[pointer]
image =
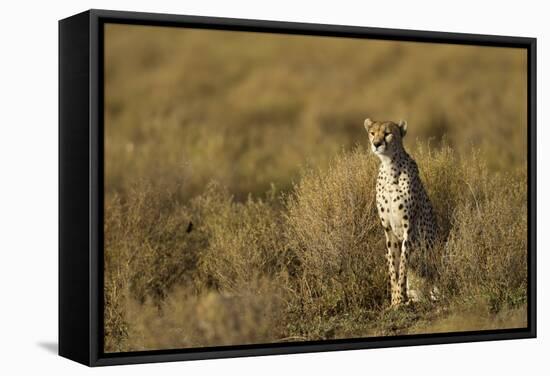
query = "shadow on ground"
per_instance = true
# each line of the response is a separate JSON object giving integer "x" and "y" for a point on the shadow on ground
{"x": 50, "y": 347}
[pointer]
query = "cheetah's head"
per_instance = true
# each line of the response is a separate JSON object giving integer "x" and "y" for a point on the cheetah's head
{"x": 385, "y": 137}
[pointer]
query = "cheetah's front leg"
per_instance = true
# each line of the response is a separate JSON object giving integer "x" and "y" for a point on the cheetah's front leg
{"x": 392, "y": 257}
{"x": 403, "y": 269}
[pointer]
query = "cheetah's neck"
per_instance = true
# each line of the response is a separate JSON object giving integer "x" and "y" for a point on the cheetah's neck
{"x": 389, "y": 161}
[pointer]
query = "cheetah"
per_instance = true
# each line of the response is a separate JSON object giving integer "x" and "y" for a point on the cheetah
{"x": 404, "y": 208}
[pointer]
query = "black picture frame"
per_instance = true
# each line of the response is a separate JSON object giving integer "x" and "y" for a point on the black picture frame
{"x": 81, "y": 186}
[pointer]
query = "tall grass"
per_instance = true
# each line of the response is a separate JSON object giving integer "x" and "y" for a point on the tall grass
{"x": 308, "y": 264}
{"x": 239, "y": 194}
{"x": 333, "y": 230}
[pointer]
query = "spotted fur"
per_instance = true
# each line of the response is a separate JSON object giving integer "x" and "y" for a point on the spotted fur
{"x": 403, "y": 206}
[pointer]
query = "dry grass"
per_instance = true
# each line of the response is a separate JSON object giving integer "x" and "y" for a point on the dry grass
{"x": 239, "y": 205}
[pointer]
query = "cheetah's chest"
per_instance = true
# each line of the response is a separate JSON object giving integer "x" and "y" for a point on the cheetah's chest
{"x": 393, "y": 199}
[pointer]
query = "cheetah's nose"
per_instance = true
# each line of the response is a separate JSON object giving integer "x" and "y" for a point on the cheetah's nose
{"x": 377, "y": 143}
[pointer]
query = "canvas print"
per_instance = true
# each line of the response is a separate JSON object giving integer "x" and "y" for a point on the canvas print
{"x": 265, "y": 188}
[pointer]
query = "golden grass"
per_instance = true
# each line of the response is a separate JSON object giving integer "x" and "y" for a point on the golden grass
{"x": 239, "y": 191}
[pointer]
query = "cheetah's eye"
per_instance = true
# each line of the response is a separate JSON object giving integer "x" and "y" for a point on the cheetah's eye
{"x": 372, "y": 134}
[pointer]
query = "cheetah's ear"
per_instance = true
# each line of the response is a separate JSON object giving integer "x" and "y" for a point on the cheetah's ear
{"x": 402, "y": 127}
{"x": 368, "y": 123}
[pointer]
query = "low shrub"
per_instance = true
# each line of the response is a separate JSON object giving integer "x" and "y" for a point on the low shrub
{"x": 308, "y": 264}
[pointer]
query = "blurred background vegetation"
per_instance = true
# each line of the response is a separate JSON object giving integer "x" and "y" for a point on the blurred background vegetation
{"x": 239, "y": 187}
